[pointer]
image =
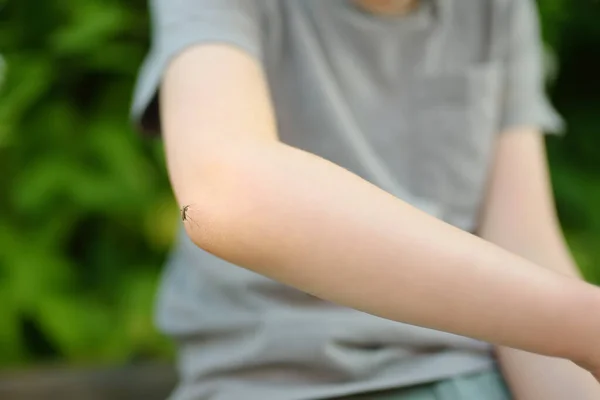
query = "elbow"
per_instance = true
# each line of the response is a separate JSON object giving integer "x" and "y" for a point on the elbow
{"x": 218, "y": 196}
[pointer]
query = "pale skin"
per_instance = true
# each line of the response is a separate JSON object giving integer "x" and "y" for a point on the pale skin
{"x": 387, "y": 7}
{"x": 519, "y": 215}
{"x": 306, "y": 222}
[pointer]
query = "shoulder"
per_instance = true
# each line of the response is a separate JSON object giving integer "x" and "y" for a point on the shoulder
{"x": 498, "y": 10}
{"x": 493, "y": 24}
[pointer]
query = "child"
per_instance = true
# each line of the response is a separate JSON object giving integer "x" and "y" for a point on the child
{"x": 377, "y": 155}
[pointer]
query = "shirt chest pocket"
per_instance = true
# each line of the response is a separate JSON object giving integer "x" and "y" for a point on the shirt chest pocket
{"x": 454, "y": 121}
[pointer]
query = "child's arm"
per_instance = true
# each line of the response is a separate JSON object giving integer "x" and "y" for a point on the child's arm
{"x": 520, "y": 216}
{"x": 306, "y": 222}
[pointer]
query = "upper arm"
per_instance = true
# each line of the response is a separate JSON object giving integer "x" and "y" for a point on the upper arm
{"x": 519, "y": 208}
{"x": 202, "y": 84}
{"x": 519, "y": 187}
{"x": 212, "y": 92}
{"x": 213, "y": 100}
{"x": 178, "y": 25}
{"x": 519, "y": 199}
{"x": 213, "y": 97}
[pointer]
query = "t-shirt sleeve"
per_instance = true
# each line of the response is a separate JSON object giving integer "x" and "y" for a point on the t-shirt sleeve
{"x": 179, "y": 24}
{"x": 524, "y": 100}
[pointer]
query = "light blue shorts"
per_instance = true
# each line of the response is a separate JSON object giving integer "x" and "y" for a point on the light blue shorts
{"x": 487, "y": 385}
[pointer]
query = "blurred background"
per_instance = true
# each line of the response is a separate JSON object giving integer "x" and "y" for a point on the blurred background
{"x": 86, "y": 212}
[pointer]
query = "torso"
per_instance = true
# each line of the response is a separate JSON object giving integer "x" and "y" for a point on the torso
{"x": 410, "y": 105}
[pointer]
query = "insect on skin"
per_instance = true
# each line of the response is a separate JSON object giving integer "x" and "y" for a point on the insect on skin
{"x": 185, "y": 216}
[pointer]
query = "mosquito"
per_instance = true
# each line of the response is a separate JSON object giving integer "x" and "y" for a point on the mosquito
{"x": 185, "y": 215}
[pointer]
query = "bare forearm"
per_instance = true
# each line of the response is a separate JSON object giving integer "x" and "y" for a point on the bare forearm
{"x": 531, "y": 376}
{"x": 303, "y": 221}
{"x": 519, "y": 216}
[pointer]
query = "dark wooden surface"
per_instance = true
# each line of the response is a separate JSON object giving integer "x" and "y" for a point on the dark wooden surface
{"x": 146, "y": 382}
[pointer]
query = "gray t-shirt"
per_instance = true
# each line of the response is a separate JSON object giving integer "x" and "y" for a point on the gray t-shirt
{"x": 412, "y": 104}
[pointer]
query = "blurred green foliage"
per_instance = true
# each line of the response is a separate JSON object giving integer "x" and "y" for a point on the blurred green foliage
{"x": 572, "y": 31}
{"x": 86, "y": 213}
